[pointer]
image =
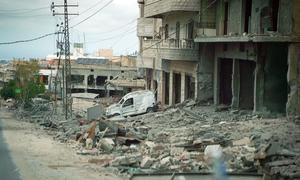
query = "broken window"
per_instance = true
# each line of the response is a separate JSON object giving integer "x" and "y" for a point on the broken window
{"x": 100, "y": 80}
{"x": 91, "y": 80}
{"x": 248, "y": 9}
{"x": 226, "y": 11}
{"x": 269, "y": 17}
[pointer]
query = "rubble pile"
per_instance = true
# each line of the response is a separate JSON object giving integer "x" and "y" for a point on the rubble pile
{"x": 182, "y": 139}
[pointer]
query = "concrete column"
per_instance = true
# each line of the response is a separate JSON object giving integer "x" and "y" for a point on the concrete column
{"x": 107, "y": 90}
{"x": 183, "y": 89}
{"x": 293, "y": 78}
{"x": 259, "y": 84}
{"x": 235, "y": 84}
{"x": 85, "y": 83}
{"x": 196, "y": 85}
{"x": 161, "y": 88}
{"x": 171, "y": 94}
{"x": 216, "y": 81}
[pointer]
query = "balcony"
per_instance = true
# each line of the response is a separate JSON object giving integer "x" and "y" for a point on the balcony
{"x": 155, "y": 8}
{"x": 145, "y": 27}
{"x": 172, "y": 49}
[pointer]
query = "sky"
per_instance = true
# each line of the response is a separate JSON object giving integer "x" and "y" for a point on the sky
{"x": 112, "y": 27}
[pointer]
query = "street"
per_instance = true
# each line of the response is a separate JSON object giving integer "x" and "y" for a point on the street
{"x": 27, "y": 153}
{"x": 8, "y": 169}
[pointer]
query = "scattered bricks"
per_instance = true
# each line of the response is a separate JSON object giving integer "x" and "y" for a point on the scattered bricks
{"x": 242, "y": 142}
{"x": 147, "y": 162}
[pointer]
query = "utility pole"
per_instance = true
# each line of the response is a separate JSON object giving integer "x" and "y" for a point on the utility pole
{"x": 66, "y": 73}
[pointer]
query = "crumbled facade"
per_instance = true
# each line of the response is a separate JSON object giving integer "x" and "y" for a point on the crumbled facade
{"x": 240, "y": 53}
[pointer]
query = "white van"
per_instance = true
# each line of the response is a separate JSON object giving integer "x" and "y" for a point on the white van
{"x": 133, "y": 103}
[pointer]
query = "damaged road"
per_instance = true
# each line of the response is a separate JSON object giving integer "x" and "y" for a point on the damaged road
{"x": 37, "y": 156}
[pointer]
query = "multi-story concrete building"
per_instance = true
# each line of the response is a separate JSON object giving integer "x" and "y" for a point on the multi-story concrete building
{"x": 255, "y": 52}
{"x": 169, "y": 55}
{"x": 241, "y": 53}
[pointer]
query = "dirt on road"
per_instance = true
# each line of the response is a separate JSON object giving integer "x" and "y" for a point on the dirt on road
{"x": 37, "y": 156}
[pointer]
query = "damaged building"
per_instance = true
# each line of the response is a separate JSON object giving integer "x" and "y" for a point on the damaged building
{"x": 240, "y": 53}
{"x": 169, "y": 55}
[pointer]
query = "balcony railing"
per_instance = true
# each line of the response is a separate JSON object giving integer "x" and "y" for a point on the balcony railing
{"x": 171, "y": 43}
{"x": 171, "y": 49}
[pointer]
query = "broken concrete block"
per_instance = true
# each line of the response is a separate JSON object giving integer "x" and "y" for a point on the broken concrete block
{"x": 131, "y": 160}
{"x": 147, "y": 162}
{"x": 107, "y": 144}
{"x": 242, "y": 142}
{"x": 165, "y": 162}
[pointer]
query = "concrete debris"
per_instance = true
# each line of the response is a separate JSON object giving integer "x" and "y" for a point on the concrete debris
{"x": 147, "y": 162}
{"x": 106, "y": 144}
{"x": 185, "y": 138}
{"x": 242, "y": 142}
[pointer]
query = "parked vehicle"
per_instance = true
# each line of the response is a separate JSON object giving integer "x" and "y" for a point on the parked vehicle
{"x": 134, "y": 103}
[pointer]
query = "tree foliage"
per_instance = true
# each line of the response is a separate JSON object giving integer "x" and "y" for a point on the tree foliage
{"x": 26, "y": 84}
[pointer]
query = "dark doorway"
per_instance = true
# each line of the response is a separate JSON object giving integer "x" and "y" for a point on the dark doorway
{"x": 189, "y": 87}
{"x": 177, "y": 87}
{"x": 167, "y": 82}
{"x": 225, "y": 81}
{"x": 248, "y": 9}
{"x": 246, "y": 84}
{"x": 275, "y": 79}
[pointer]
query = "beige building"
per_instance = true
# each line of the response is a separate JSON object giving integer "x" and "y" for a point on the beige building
{"x": 169, "y": 55}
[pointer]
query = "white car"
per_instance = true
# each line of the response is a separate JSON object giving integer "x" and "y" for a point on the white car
{"x": 134, "y": 103}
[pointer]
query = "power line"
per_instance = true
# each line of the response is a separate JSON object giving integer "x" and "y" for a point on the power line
{"x": 27, "y": 40}
{"x": 116, "y": 36}
{"x": 117, "y": 28}
{"x": 93, "y": 6}
{"x": 27, "y": 10}
{"x": 93, "y": 13}
{"x": 25, "y": 16}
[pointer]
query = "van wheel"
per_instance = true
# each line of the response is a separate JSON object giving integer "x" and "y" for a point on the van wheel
{"x": 150, "y": 109}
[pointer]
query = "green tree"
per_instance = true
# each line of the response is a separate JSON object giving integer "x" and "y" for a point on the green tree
{"x": 26, "y": 84}
{"x": 8, "y": 91}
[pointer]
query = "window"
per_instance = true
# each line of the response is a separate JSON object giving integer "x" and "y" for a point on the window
{"x": 128, "y": 102}
{"x": 166, "y": 31}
